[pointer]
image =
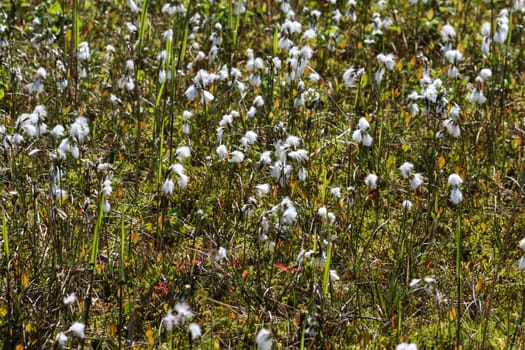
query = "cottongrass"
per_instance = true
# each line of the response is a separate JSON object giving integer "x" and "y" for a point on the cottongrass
{"x": 264, "y": 339}
{"x": 78, "y": 329}
{"x": 286, "y": 101}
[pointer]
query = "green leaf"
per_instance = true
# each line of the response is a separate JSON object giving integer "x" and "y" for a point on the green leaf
{"x": 275, "y": 45}
{"x": 140, "y": 75}
{"x": 55, "y": 9}
{"x": 364, "y": 81}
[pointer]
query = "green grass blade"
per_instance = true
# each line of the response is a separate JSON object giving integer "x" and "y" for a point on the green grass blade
{"x": 5, "y": 237}
{"x": 142, "y": 26}
{"x": 96, "y": 233}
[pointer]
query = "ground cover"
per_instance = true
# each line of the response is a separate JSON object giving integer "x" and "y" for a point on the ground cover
{"x": 262, "y": 174}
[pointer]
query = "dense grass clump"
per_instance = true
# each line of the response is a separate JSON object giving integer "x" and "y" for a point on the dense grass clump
{"x": 262, "y": 174}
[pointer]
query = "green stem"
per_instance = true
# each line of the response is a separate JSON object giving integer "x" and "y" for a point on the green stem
{"x": 93, "y": 259}
{"x": 5, "y": 237}
{"x": 10, "y": 313}
{"x": 174, "y": 75}
{"x": 142, "y": 26}
{"x": 458, "y": 277}
{"x": 326, "y": 275}
{"x": 96, "y": 233}
{"x": 76, "y": 40}
{"x": 122, "y": 281}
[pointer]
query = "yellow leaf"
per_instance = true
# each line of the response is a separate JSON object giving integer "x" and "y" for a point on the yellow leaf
{"x": 441, "y": 162}
{"x": 430, "y": 14}
{"x": 82, "y": 252}
{"x": 293, "y": 187}
{"x": 389, "y": 161}
{"x": 479, "y": 286}
{"x": 25, "y": 279}
{"x": 148, "y": 226}
{"x": 405, "y": 147}
{"x": 134, "y": 237}
{"x": 459, "y": 171}
{"x": 112, "y": 329}
{"x": 160, "y": 222}
{"x": 149, "y": 337}
{"x": 216, "y": 344}
{"x": 399, "y": 65}
{"x": 516, "y": 142}
{"x": 66, "y": 110}
{"x": 452, "y": 314}
{"x": 28, "y": 327}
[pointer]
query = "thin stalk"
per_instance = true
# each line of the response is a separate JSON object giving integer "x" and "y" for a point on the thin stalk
{"x": 380, "y": 90}
{"x": 458, "y": 278}
{"x": 499, "y": 266}
{"x": 96, "y": 232}
{"x": 519, "y": 321}
{"x": 326, "y": 274}
{"x": 10, "y": 344}
{"x": 161, "y": 151}
{"x": 233, "y": 26}
{"x": 416, "y": 29}
{"x": 93, "y": 258}
{"x": 5, "y": 237}
{"x": 303, "y": 331}
{"x": 122, "y": 278}
{"x": 136, "y": 104}
{"x": 170, "y": 341}
{"x": 74, "y": 47}
{"x": 493, "y": 121}
{"x": 503, "y": 75}
{"x": 399, "y": 319}
{"x": 174, "y": 75}
{"x": 142, "y": 27}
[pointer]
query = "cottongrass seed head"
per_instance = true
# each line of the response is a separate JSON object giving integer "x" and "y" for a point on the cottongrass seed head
{"x": 264, "y": 339}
